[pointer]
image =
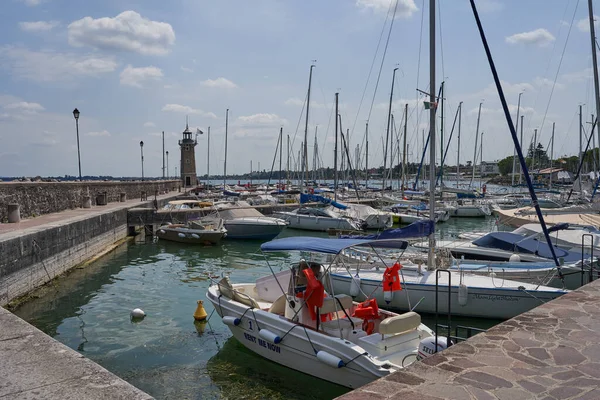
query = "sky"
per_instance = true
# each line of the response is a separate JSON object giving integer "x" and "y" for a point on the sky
{"x": 136, "y": 68}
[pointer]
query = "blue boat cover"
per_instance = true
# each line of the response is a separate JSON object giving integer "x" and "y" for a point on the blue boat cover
{"x": 327, "y": 246}
{"x": 416, "y": 229}
{"x": 307, "y": 197}
{"x": 514, "y": 242}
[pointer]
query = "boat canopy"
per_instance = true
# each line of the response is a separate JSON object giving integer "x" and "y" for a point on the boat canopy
{"x": 416, "y": 229}
{"x": 307, "y": 197}
{"x": 327, "y": 246}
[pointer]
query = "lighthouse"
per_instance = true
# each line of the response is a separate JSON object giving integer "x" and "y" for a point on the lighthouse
{"x": 188, "y": 159}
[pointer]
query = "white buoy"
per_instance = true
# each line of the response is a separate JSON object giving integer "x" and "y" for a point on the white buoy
{"x": 181, "y": 235}
{"x": 388, "y": 296}
{"x": 137, "y": 313}
{"x": 195, "y": 236}
{"x": 231, "y": 321}
{"x": 330, "y": 359}
{"x": 515, "y": 258}
{"x": 463, "y": 294}
{"x": 269, "y": 336}
{"x": 355, "y": 285}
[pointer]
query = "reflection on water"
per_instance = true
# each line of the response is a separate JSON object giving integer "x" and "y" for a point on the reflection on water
{"x": 166, "y": 354}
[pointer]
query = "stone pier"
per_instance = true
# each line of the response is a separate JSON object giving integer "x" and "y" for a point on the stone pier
{"x": 551, "y": 352}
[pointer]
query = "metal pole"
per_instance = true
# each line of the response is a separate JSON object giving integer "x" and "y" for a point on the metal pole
{"x": 387, "y": 135}
{"x": 476, "y": 138}
{"x": 305, "y": 150}
{"x": 167, "y": 164}
{"x": 142, "y": 156}
{"x": 163, "y": 154}
{"x": 367, "y": 156}
{"x": 534, "y": 150}
{"x": 551, "y": 154}
{"x": 225, "y": 162}
{"x": 78, "y": 153}
{"x": 521, "y": 147}
{"x": 404, "y": 150}
{"x": 391, "y": 172}
{"x": 458, "y": 151}
{"x": 432, "y": 86}
{"x": 287, "y": 175}
{"x": 594, "y": 61}
{"x": 481, "y": 163}
{"x": 335, "y": 150}
{"x": 280, "y": 154}
{"x": 515, "y": 149}
{"x": 208, "y": 160}
{"x": 442, "y": 140}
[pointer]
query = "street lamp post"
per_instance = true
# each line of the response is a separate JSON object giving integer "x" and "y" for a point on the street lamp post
{"x": 142, "y": 154}
{"x": 76, "y": 115}
{"x": 167, "y": 152}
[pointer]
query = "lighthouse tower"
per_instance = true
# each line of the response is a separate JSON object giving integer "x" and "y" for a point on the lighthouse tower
{"x": 188, "y": 159}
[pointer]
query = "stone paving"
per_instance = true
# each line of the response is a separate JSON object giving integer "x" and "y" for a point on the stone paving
{"x": 550, "y": 352}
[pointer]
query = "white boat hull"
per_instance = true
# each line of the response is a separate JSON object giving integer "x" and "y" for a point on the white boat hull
{"x": 502, "y": 302}
{"x": 470, "y": 212}
{"x": 314, "y": 223}
{"x": 263, "y": 228}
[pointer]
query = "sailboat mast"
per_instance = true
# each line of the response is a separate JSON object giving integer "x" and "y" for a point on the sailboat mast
{"x": 314, "y": 174}
{"x": 551, "y": 153}
{"x": 594, "y": 61}
{"x": 458, "y": 151}
{"x": 481, "y": 162}
{"x": 280, "y": 153}
{"x": 305, "y": 151}
{"x": 387, "y": 134}
{"x": 335, "y": 151}
{"x": 404, "y": 150}
{"x": 442, "y": 140}
{"x": 521, "y": 147}
{"x": 225, "y": 162}
{"x": 391, "y": 171}
{"x": 475, "y": 148}
{"x": 287, "y": 175}
{"x": 515, "y": 149}
{"x": 580, "y": 148}
{"x": 367, "y": 155}
{"x": 432, "y": 86}
{"x": 208, "y": 160}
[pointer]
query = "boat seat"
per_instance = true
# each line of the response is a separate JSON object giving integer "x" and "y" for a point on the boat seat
{"x": 227, "y": 290}
{"x": 278, "y": 306}
{"x": 331, "y": 305}
{"x": 402, "y": 323}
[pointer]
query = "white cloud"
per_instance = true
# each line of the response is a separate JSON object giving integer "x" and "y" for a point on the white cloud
{"x": 547, "y": 83}
{"x": 489, "y": 6}
{"x": 131, "y": 76}
{"x": 179, "y": 108}
{"x": 262, "y": 119}
{"x": 258, "y": 126}
{"x": 50, "y": 66}
{"x": 38, "y": 26}
{"x": 540, "y": 37}
{"x": 128, "y": 31}
{"x": 406, "y": 8}
{"x": 584, "y": 24}
{"x": 149, "y": 124}
{"x": 220, "y": 83}
{"x": 25, "y": 107}
{"x": 578, "y": 76}
{"x": 98, "y": 133}
{"x": 186, "y": 69}
{"x": 32, "y": 3}
{"x": 295, "y": 101}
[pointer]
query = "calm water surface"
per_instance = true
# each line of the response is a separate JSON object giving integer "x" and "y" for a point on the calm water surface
{"x": 168, "y": 355}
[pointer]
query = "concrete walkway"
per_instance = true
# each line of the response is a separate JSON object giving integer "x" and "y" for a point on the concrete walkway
{"x": 9, "y": 231}
{"x": 551, "y": 352}
{"x": 35, "y": 366}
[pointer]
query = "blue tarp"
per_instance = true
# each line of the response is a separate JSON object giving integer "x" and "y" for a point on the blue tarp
{"x": 514, "y": 242}
{"x": 228, "y": 193}
{"x": 414, "y": 230}
{"x": 327, "y": 246}
{"x": 307, "y": 197}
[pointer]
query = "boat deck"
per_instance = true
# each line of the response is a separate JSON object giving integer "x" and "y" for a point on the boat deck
{"x": 550, "y": 352}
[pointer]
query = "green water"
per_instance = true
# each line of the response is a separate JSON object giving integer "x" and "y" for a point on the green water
{"x": 167, "y": 355}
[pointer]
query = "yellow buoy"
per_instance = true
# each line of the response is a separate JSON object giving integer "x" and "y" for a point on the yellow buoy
{"x": 200, "y": 314}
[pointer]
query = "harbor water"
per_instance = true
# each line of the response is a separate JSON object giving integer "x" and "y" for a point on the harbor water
{"x": 167, "y": 354}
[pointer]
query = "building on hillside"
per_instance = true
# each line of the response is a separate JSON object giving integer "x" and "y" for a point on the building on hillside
{"x": 489, "y": 168}
{"x": 558, "y": 175}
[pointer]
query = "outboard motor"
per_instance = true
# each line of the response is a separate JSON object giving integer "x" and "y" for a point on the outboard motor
{"x": 427, "y": 346}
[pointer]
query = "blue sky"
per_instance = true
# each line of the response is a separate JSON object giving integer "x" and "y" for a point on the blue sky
{"x": 136, "y": 68}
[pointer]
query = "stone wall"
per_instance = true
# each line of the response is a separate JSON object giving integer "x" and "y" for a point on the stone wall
{"x": 38, "y": 198}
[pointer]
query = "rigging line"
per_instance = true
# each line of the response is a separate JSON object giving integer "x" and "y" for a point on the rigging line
{"x": 558, "y": 68}
{"x": 372, "y": 65}
{"x": 387, "y": 42}
{"x": 537, "y": 97}
{"x": 419, "y": 61}
{"x": 299, "y": 121}
{"x": 441, "y": 38}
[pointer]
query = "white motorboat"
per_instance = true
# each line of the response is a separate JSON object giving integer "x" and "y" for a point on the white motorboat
{"x": 327, "y": 336}
{"x": 470, "y": 295}
{"x": 318, "y": 219}
{"x": 474, "y": 210}
{"x": 374, "y": 219}
{"x": 242, "y": 221}
{"x": 194, "y": 232}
